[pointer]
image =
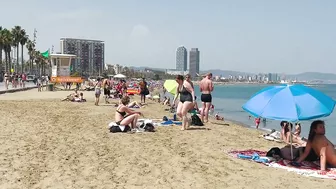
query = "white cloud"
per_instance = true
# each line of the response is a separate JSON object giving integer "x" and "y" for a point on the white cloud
{"x": 139, "y": 31}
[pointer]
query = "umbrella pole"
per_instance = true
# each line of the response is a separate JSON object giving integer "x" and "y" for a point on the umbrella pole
{"x": 291, "y": 142}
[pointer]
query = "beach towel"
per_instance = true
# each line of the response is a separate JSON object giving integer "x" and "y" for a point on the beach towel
{"x": 170, "y": 122}
{"x": 310, "y": 169}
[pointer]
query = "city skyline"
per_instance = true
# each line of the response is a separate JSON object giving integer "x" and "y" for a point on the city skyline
{"x": 249, "y": 36}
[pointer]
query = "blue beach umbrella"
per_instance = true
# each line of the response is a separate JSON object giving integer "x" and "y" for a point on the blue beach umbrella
{"x": 290, "y": 103}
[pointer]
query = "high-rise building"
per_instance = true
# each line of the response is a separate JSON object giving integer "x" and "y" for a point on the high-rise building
{"x": 90, "y": 55}
{"x": 194, "y": 61}
{"x": 181, "y": 59}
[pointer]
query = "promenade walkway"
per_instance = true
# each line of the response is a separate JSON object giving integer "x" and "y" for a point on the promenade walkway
{"x": 3, "y": 90}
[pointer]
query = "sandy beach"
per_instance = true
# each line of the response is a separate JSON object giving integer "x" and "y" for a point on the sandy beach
{"x": 46, "y": 143}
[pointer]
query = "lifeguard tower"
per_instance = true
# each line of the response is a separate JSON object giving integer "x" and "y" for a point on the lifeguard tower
{"x": 60, "y": 68}
{"x": 60, "y": 64}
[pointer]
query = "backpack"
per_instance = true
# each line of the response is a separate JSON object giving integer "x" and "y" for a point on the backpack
{"x": 148, "y": 127}
{"x": 196, "y": 121}
{"x": 120, "y": 129}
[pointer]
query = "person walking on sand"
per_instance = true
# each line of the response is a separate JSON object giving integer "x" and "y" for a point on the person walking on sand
{"x": 187, "y": 98}
{"x": 39, "y": 83}
{"x": 6, "y": 76}
{"x": 206, "y": 87}
{"x": 97, "y": 91}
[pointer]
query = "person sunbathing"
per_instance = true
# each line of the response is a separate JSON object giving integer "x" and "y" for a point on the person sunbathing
{"x": 71, "y": 96}
{"x": 321, "y": 146}
{"x": 124, "y": 115}
{"x": 80, "y": 98}
{"x": 286, "y": 134}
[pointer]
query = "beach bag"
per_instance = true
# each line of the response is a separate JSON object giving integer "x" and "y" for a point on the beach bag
{"x": 274, "y": 153}
{"x": 146, "y": 91}
{"x": 148, "y": 127}
{"x": 196, "y": 121}
{"x": 119, "y": 129}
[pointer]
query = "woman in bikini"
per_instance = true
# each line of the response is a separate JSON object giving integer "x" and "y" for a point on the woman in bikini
{"x": 187, "y": 99}
{"x": 124, "y": 115}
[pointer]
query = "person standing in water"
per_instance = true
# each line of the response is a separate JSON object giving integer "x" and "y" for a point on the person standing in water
{"x": 206, "y": 87}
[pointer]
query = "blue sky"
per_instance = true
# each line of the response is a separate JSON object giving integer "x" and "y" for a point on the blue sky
{"x": 243, "y": 35}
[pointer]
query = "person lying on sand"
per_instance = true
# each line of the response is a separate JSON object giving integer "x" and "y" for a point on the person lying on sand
{"x": 321, "y": 146}
{"x": 124, "y": 115}
{"x": 80, "y": 98}
{"x": 71, "y": 96}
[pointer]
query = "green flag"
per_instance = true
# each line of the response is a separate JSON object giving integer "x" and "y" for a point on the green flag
{"x": 45, "y": 54}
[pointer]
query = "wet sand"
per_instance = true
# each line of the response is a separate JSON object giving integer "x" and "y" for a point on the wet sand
{"x": 46, "y": 143}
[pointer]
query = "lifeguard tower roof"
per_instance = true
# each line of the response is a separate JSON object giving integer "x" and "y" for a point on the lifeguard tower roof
{"x": 62, "y": 55}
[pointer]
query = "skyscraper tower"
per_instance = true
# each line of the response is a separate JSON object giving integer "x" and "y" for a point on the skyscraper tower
{"x": 194, "y": 61}
{"x": 181, "y": 59}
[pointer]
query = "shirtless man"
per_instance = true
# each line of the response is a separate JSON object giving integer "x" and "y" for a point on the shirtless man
{"x": 106, "y": 85}
{"x": 206, "y": 87}
{"x": 321, "y": 146}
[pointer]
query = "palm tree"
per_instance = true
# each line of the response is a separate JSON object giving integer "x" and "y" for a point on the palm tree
{"x": 7, "y": 45}
{"x": 16, "y": 31}
{"x": 23, "y": 41}
{"x": 30, "y": 45}
{"x": 1, "y": 46}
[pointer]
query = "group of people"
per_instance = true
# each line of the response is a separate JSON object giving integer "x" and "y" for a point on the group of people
{"x": 16, "y": 79}
{"x": 187, "y": 100}
{"x": 108, "y": 86}
{"x": 75, "y": 97}
{"x": 315, "y": 147}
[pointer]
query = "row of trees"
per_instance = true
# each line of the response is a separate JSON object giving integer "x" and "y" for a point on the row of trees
{"x": 13, "y": 39}
{"x": 131, "y": 73}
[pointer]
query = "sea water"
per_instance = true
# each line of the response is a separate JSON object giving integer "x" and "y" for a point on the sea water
{"x": 229, "y": 99}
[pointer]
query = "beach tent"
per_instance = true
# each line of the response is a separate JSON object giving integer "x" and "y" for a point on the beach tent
{"x": 292, "y": 103}
{"x": 120, "y": 76}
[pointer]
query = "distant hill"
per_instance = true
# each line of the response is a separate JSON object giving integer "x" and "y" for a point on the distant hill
{"x": 141, "y": 68}
{"x": 226, "y": 73}
{"x": 308, "y": 76}
{"x": 305, "y": 76}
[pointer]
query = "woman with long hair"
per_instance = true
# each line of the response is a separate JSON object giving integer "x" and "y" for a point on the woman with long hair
{"x": 187, "y": 97}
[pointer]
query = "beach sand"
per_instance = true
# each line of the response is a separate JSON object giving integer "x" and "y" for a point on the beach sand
{"x": 46, "y": 143}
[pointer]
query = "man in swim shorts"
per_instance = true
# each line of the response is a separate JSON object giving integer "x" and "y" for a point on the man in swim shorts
{"x": 206, "y": 87}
